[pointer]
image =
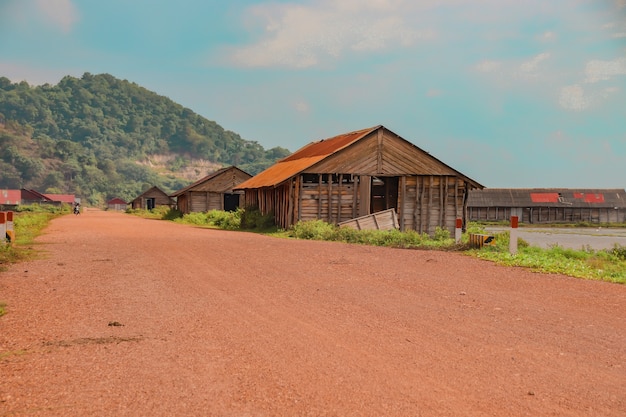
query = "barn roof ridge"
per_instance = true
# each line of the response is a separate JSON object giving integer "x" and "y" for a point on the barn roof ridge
{"x": 314, "y": 152}
{"x": 206, "y": 178}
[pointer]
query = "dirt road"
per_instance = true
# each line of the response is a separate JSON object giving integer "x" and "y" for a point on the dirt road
{"x": 134, "y": 317}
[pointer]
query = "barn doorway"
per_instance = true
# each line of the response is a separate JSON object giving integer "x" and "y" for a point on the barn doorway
{"x": 384, "y": 193}
{"x": 150, "y": 203}
{"x": 231, "y": 202}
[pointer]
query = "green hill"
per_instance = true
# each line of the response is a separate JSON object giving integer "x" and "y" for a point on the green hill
{"x": 100, "y": 137}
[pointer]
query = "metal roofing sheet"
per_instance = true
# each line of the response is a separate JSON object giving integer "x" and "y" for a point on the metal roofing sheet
{"x": 302, "y": 159}
{"x": 10, "y": 197}
{"x": 520, "y": 197}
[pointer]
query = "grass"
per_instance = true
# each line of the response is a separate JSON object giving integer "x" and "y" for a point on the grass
{"x": 28, "y": 223}
{"x": 604, "y": 265}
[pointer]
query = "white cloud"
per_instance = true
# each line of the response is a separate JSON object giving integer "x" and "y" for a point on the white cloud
{"x": 60, "y": 13}
{"x": 533, "y": 64}
{"x": 303, "y": 36}
{"x": 573, "y": 98}
{"x": 597, "y": 70}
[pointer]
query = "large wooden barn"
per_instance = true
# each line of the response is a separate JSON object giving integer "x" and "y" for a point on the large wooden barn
{"x": 213, "y": 192}
{"x": 357, "y": 174}
{"x": 152, "y": 198}
{"x": 548, "y": 205}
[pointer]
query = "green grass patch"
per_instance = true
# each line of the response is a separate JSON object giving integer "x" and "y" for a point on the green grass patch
{"x": 320, "y": 230}
{"x": 604, "y": 265}
{"x": 28, "y": 223}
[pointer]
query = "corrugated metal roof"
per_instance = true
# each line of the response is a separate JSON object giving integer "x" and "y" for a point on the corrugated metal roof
{"x": 10, "y": 197}
{"x": 302, "y": 159}
{"x": 544, "y": 197}
{"x": 116, "y": 200}
{"x": 205, "y": 179}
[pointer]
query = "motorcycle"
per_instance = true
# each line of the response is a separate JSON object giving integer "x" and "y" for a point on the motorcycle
{"x": 77, "y": 210}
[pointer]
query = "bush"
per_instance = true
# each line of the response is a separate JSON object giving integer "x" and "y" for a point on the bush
{"x": 251, "y": 218}
{"x": 314, "y": 230}
{"x": 229, "y": 220}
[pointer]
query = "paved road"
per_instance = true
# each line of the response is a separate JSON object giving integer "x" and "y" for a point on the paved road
{"x": 574, "y": 238}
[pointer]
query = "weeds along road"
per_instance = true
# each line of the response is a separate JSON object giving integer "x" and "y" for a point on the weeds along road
{"x": 124, "y": 316}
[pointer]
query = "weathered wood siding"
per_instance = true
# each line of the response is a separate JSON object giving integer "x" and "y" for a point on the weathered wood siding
{"x": 549, "y": 214}
{"x": 339, "y": 187}
{"x": 429, "y": 201}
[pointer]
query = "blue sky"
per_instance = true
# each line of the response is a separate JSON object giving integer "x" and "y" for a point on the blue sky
{"x": 511, "y": 93}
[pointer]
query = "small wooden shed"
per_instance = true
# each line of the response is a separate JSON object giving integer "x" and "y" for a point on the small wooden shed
{"x": 152, "y": 198}
{"x": 116, "y": 204}
{"x": 548, "y": 205}
{"x": 360, "y": 173}
{"x": 213, "y": 192}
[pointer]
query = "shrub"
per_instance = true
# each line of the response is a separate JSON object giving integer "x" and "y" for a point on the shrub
{"x": 314, "y": 230}
{"x": 251, "y": 218}
{"x": 229, "y": 220}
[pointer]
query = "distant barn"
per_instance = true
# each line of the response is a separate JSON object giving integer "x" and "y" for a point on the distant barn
{"x": 358, "y": 174}
{"x": 213, "y": 192}
{"x": 152, "y": 198}
{"x": 116, "y": 204}
{"x": 548, "y": 205}
{"x": 14, "y": 198}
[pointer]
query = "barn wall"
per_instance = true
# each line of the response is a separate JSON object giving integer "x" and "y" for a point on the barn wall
{"x": 547, "y": 214}
{"x": 429, "y": 201}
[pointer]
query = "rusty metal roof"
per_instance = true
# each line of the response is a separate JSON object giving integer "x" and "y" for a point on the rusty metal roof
{"x": 547, "y": 197}
{"x": 207, "y": 178}
{"x": 303, "y": 158}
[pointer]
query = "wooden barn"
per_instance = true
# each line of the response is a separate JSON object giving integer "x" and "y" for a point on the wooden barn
{"x": 149, "y": 199}
{"x": 213, "y": 192}
{"x": 116, "y": 204}
{"x": 357, "y": 174}
{"x": 548, "y": 205}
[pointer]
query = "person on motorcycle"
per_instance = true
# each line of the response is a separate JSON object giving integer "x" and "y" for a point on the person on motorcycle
{"x": 77, "y": 208}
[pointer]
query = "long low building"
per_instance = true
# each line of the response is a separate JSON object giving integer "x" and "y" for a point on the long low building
{"x": 548, "y": 205}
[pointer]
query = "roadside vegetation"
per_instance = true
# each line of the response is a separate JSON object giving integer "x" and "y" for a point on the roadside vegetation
{"x": 28, "y": 222}
{"x": 604, "y": 265}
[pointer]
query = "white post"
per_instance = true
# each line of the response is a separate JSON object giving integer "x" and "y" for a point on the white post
{"x": 513, "y": 236}
{"x": 458, "y": 230}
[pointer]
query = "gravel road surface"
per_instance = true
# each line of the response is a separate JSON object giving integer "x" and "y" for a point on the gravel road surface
{"x": 124, "y": 316}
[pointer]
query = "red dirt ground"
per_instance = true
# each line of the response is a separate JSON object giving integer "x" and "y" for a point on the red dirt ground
{"x": 216, "y": 323}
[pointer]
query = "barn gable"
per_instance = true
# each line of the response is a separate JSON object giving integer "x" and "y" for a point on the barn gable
{"x": 382, "y": 152}
{"x": 213, "y": 192}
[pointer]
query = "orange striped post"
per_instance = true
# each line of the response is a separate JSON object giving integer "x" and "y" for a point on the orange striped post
{"x": 458, "y": 231}
{"x": 3, "y": 227}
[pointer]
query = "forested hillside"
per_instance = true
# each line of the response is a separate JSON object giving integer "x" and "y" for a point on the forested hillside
{"x": 100, "y": 137}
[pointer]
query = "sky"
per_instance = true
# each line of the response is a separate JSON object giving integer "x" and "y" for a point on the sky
{"x": 510, "y": 93}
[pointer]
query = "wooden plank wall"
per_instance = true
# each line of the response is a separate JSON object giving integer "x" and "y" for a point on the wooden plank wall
{"x": 428, "y": 201}
{"x": 332, "y": 202}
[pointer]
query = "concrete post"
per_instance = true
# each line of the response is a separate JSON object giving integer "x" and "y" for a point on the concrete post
{"x": 513, "y": 236}
{"x": 458, "y": 230}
